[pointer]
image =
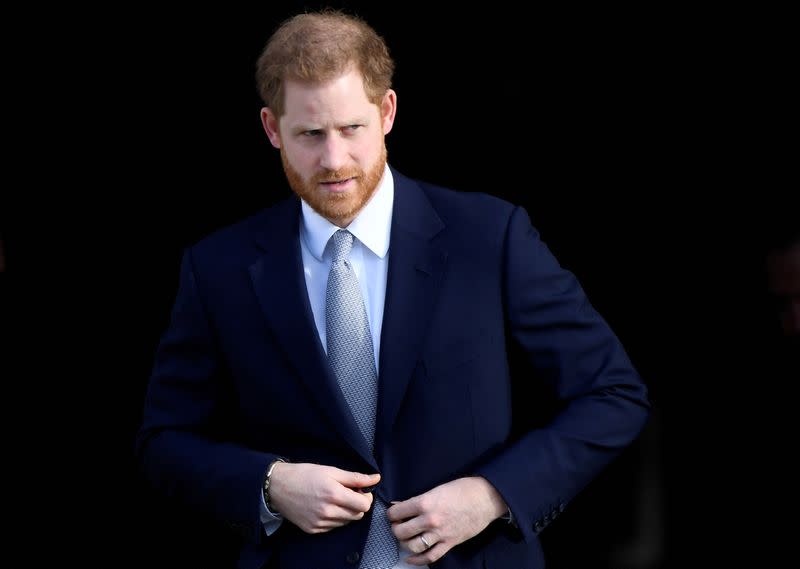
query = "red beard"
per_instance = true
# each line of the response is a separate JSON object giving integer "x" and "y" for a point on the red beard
{"x": 339, "y": 208}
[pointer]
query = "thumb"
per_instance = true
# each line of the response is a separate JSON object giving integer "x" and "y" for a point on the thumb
{"x": 357, "y": 479}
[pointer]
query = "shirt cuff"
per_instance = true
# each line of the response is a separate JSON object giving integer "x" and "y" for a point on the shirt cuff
{"x": 270, "y": 520}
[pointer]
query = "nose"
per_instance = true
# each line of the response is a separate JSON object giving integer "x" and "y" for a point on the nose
{"x": 334, "y": 153}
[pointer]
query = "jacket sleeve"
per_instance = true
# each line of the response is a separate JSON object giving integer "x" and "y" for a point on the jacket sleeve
{"x": 183, "y": 445}
{"x": 603, "y": 401}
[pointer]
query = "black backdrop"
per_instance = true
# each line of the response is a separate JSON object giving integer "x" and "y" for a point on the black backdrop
{"x": 649, "y": 148}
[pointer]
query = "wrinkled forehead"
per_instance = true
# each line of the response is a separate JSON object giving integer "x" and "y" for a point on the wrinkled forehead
{"x": 335, "y": 99}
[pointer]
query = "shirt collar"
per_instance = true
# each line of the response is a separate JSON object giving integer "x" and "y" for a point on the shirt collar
{"x": 372, "y": 226}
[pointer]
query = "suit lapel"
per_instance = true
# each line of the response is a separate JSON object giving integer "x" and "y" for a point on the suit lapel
{"x": 280, "y": 286}
{"x": 415, "y": 270}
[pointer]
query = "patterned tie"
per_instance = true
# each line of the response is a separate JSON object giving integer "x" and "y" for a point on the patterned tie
{"x": 352, "y": 359}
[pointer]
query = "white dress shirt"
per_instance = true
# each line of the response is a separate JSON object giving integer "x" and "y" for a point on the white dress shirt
{"x": 369, "y": 259}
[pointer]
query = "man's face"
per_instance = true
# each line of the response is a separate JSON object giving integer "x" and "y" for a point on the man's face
{"x": 331, "y": 139}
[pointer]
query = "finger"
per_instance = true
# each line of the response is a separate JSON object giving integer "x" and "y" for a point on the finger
{"x": 336, "y": 520}
{"x": 428, "y": 539}
{"x": 355, "y": 480}
{"x": 338, "y": 515}
{"x": 419, "y": 544}
{"x": 404, "y": 510}
{"x": 429, "y": 556}
{"x": 409, "y": 529}
{"x": 323, "y": 526}
{"x": 353, "y": 500}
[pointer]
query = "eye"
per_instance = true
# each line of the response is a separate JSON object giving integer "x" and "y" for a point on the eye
{"x": 312, "y": 133}
{"x": 351, "y": 128}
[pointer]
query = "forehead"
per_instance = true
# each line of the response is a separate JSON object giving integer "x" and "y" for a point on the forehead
{"x": 339, "y": 98}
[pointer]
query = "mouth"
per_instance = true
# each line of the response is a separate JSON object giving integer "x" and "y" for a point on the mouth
{"x": 338, "y": 185}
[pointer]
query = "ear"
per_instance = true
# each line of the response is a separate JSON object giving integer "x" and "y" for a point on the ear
{"x": 270, "y": 123}
{"x": 388, "y": 110}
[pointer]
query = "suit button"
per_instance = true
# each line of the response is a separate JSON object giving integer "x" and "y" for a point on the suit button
{"x": 353, "y": 557}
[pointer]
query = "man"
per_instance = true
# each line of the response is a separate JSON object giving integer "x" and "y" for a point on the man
{"x": 334, "y": 382}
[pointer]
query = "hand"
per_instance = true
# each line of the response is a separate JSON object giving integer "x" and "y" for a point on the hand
{"x": 319, "y": 498}
{"x": 444, "y": 517}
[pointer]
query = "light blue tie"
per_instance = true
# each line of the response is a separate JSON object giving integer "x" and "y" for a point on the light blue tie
{"x": 352, "y": 359}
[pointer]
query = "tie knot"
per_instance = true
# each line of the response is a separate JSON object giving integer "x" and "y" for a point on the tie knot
{"x": 342, "y": 242}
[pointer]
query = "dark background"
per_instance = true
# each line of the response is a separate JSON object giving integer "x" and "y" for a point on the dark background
{"x": 650, "y": 147}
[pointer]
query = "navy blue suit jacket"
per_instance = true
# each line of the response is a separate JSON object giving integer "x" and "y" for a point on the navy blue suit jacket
{"x": 240, "y": 377}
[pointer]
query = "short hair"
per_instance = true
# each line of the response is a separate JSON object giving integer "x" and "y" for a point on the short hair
{"x": 319, "y": 46}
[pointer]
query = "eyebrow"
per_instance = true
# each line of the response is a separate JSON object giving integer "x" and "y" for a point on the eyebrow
{"x": 306, "y": 127}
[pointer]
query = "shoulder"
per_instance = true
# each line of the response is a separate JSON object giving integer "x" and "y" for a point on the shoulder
{"x": 244, "y": 239}
{"x": 457, "y": 198}
{"x": 472, "y": 210}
